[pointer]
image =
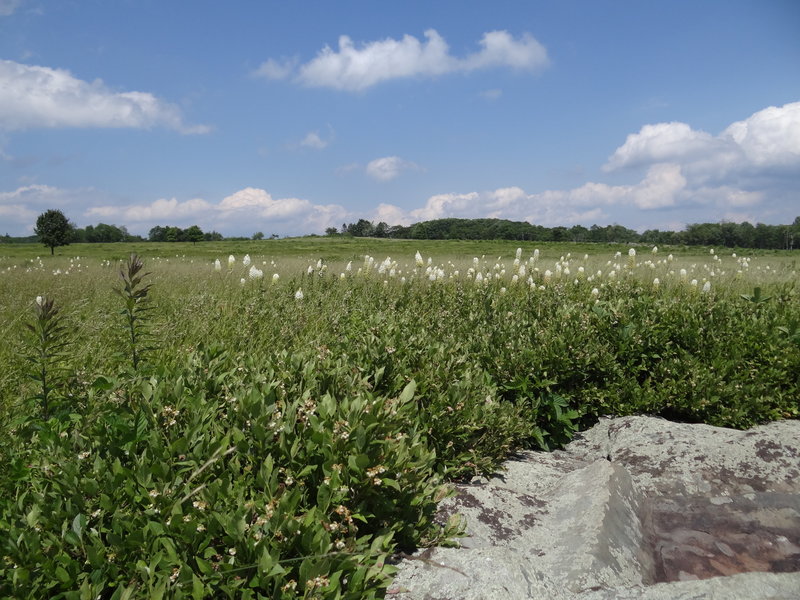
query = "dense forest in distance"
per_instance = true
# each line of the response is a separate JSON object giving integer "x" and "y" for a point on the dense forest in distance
{"x": 725, "y": 234}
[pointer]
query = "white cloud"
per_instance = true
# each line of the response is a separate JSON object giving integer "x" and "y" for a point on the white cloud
{"x": 390, "y": 214}
{"x": 664, "y": 190}
{"x": 769, "y": 138}
{"x": 317, "y": 142}
{"x": 7, "y": 7}
{"x": 276, "y": 69}
{"x": 19, "y": 208}
{"x": 252, "y": 208}
{"x": 353, "y": 68}
{"x": 388, "y": 167}
{"x": 34, "y": 96}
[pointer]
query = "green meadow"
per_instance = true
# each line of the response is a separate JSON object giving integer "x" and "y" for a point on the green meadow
{"x": 282, "y": 423}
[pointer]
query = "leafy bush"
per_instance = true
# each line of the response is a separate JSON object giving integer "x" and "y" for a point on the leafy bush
{"x": 279, "y": 446}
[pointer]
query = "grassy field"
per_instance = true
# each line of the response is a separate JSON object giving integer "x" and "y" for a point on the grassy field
{"x": 282, "y": 424}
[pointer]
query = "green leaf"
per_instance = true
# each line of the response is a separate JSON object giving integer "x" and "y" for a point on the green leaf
{"x": 408, "y": 392}
{"x": 78, "y": 523}
{"x": 62, "y": 575}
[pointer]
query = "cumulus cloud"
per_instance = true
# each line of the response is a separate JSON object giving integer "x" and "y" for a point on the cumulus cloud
{"x": 315, "y": 141}
{"x": 356, "y": 68}
{"x": 246, "y": 208}
{"x": 769, "y": 138}
{"x": 664, "y": 190}
{"x": 388, "y": 167}
{"x": 41, "y": 97}
{"x": 276, "y": 69}
{"x": 19, "y": 208}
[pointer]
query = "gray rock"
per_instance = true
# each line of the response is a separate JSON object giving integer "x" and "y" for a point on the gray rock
{"x": 636, "y": 507}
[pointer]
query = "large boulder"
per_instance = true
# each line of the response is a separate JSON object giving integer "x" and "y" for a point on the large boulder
{"x": 636, "y": 507}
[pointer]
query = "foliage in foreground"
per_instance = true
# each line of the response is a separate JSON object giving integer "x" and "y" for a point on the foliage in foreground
{"x": 309, "y": 440}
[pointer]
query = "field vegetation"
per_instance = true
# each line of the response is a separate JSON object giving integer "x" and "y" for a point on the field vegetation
{"x": 279, "y": 418}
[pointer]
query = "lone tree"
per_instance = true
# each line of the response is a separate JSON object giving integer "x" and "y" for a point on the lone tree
{"x": 53, "y": 229}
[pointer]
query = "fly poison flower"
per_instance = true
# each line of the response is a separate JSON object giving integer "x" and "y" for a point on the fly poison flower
{"x": 655, "y": 250}
{"x": 418, "y": 259}
{"x": 656, "y": 283}
{"x": 275, "y": 278}
{"x": 39, "y": 300}
{"x": 217, "y": 266}
{"x": 519, "y": 253}
{"x": 231, "y": 261}
{"x": 298, "y": 295}
{"x": 547, "y": 275}
{"x": 706, "y": 287}
{"x": 246, "y": 260}
{"x": 631, "y": 258}
{"x": 255, "y": 273}
{"x": 595, "y": 292}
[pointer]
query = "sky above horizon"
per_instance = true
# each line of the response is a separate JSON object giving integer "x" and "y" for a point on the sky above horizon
{"x": 291, "y": 117}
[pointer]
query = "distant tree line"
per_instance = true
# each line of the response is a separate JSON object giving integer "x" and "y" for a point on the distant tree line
{"x": 103, "y": 234}
{"x": 175, "y": 234}
{"x": 53, "y": 229}
{"x": 742, "y": 235}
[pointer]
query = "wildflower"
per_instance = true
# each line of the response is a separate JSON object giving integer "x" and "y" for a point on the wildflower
{"x": 595, "y": 292}
{"x": 217, "y": 266}
{"x": 656, "y": 282}
{"x": 693, "y": 282}
{"x": 246, "y": 260}
{"x": 706, "y": 287}
{"x": 519, "y": 253}
{"x": 255, "y": 273}
{"x": 418, "y": 259}
{"x": 39, "y": 300}
{"x": 683, "y": 273}
{"x": 655, "y": 249}
{"x": 275, "y": 278}
{"x": 547, "y": 275}
{"x": 231, "y": 261}
{"x": 349, "y": 267}
{"x": 298, "y": 295}
{"x": 242, "y": 281}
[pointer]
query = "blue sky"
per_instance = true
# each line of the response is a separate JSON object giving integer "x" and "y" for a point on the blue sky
{"x": 290, "y": 117}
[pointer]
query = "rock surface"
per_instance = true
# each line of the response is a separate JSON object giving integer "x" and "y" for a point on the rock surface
{"x": 636, "y": 507}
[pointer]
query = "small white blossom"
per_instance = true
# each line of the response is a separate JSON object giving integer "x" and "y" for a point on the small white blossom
{"x": 246, "y": 260}
{"x": 217, "y": 266}
{"x": 298, "y": 295}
